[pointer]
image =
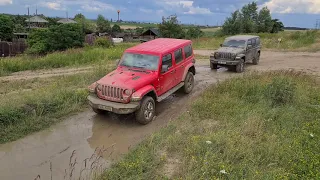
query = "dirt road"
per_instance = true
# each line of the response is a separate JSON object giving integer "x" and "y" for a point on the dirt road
{"x": 84, "y": 132}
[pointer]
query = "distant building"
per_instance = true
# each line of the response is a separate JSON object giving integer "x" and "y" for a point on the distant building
{"x": 37, "y": 22}
{"x": 67, "y": 21}
{"x": 149, "y": 34}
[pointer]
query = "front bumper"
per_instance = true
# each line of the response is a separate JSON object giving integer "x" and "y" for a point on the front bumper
{"x": 224, "y": 62}
{"x": 118, "y": 108}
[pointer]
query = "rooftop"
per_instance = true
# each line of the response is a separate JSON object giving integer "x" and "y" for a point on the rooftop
{"x": 37, "y": 19}
{"x": 158, "y": 46}
{"x": 66, "y": 21}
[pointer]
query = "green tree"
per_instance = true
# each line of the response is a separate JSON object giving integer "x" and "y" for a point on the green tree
{"x": 38, "y": 41}
{"x": 264, "y": 23}
{"x": 65, "y": 36}
{"x": 86, "y": 25}
{"x": 18, "y": 28}
{"x": 194, "y": 32}
{"x": 116, "y": 28}
{"x": 103, "y": 25}
{"x": 277, "y": 26}
{"x": 6, "y": 28}
{"x": 56, "y": 37}
{"x": 170, "y": 28}
{"x": 249, "y": 16}
{"x": 233, "y": 24}
{"x": 248, "y": 20}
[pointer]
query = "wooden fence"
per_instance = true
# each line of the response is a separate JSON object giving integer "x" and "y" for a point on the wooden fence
{"x": 12, "y": 48}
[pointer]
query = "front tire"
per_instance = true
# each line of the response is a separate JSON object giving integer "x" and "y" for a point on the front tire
{"x": 240, "y": 66}
{"x": 213, "y": 66}
{"x": 147, "y": 110}
{"x": 188, "y": 83}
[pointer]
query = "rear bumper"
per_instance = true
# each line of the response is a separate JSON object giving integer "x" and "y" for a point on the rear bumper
{"x": 118, "y": 108}
{"x": 224, "y": 62}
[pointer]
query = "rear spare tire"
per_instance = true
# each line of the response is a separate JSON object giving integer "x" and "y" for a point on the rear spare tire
{"x": 147, "y": 110}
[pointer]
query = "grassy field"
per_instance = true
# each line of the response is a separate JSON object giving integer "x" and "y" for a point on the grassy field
{"x": 28, "y": 106}
{"x": 263, "y": 126}
{"x": 70, "y": 58}
{"x": 291, "y": 41}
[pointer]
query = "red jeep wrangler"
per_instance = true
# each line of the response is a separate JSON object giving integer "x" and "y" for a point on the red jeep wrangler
{"x": 146, "y": 73}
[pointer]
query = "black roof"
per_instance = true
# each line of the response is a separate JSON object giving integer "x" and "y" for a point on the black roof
{"x": 152, "y": 31}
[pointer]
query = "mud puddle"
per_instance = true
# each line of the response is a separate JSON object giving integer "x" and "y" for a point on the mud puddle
{"x": 72, "y": 146}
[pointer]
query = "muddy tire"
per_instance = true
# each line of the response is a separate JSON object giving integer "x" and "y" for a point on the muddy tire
{"x": 213, "y": 66}
{"x": 98, "y": 111}
{"x": 240, "y": 66}
{"x": 188, "y": 83}
{"x": 256, "y": 59}
{"x": 147, "y": 110}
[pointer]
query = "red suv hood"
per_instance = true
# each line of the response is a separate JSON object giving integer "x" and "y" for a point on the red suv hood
{"x": 128, "y": 79}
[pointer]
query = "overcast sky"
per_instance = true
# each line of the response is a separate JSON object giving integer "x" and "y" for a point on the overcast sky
{"x": 302, "y": 13}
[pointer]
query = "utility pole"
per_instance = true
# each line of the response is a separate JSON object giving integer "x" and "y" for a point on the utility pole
{"x": 318, "y": 24}
{"x": 29, "y": 19}
{"x": 118, "y": 15}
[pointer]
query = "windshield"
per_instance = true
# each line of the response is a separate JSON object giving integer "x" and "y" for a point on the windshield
{"x": 144, "y": 61}
{"x": 234, "y": 43}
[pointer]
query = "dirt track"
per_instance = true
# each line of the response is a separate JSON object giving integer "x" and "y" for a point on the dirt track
{"x": 30, "y": 156}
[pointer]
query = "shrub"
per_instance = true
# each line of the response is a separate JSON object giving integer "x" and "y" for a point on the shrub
{"x": 280, "y": 91}
{"x": 55, "y": 38}
{"x": 103, "y": 42}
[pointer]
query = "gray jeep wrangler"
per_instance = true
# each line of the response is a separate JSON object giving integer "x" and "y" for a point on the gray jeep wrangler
{"x": 236, "y": 51}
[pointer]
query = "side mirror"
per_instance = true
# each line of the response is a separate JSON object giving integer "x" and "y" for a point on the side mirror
{"x": 164, "y": 68}
{"x": 249, "y": 46}
{"x": 117, "y": 62}
{"x": 220, "y": 45}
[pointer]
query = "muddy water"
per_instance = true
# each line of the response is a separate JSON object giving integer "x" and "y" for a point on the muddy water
{"x": 73, "y": 145}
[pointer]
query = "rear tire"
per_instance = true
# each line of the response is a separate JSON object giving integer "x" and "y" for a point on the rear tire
{"x": 146, "y": 112}
{"x": 188, "y": 83}
{"x": 256, "y": 60}
{"x": 213, "y": 66}
{"x": 240, "y": 66}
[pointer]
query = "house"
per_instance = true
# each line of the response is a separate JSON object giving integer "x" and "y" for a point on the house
{"x": 37, "y": 22}
{"x": 149, "y": 34}
{"x": 67, "y": 21}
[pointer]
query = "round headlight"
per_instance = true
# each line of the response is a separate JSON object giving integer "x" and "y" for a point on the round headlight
{"x": 127, "y": 92}
{"x": 99, "y": 87}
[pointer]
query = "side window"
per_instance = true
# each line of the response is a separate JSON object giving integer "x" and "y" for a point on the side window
{"x": 254, "y": 42}
{"x": 167, "y": 60}
{"x": 249, "y": 43}
{"x": 258, "y": 41}
{"x": 188, "y": 51}
{"x": 178, "y": 55}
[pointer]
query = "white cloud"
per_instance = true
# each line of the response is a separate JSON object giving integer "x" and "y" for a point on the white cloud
{"x": 96, "y": 6}
{"x": 186, "y": 7}
{"x": 146, "y": 10}
{"x": 5, "y": 2}
{"x": 53, "y": 5}
{"x": 294, "y": 6}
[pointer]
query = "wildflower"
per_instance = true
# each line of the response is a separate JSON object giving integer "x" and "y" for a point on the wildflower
{"x": 208, "y": 142}
{"x": 223, "y": 171}
{"x": 311, "y": 135}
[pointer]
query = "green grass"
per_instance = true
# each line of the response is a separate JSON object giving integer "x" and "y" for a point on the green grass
{"x": 263, "y": 126}
{"x": 38, "y": 103}
{"x": 69, "y": 58}
{"x": 291, "y": 41}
